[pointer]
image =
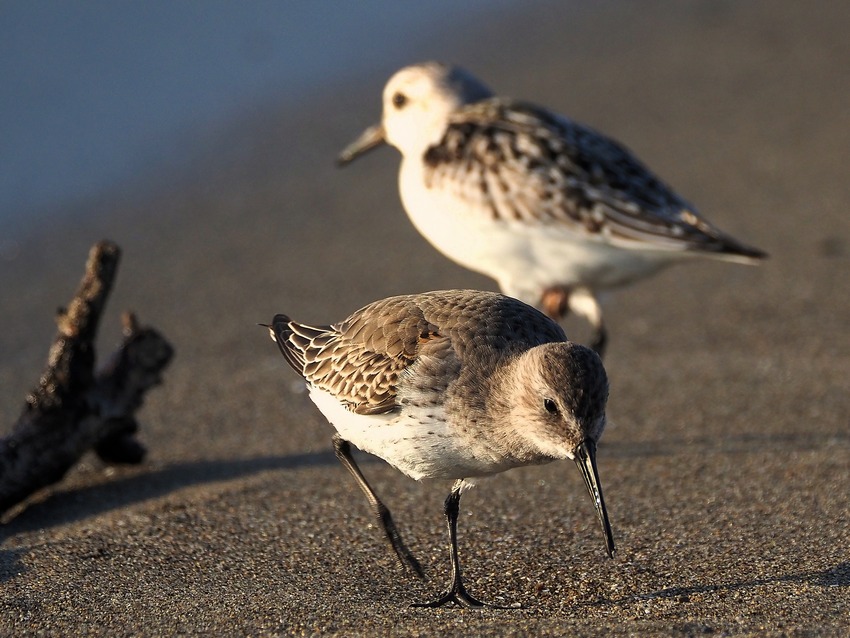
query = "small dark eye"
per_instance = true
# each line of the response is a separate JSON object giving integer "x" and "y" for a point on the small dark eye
{"x": 399, "y": 100}
{"x": 551, "y": 406}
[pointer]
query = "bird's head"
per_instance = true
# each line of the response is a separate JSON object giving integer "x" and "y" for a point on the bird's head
{"x": 558, "y": 407}
{"x": 417, "y": 103}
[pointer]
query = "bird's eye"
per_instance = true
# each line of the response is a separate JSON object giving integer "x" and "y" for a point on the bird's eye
{"x": 551, "y": 406}
{"x": 399, "y": 100}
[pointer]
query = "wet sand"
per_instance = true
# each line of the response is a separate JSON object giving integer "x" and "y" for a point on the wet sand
{"x": 726, "y": 466}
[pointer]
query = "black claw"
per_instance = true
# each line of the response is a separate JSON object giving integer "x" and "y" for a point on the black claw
{"x": 457, "y": 595}
{"x": 462, "y": 598}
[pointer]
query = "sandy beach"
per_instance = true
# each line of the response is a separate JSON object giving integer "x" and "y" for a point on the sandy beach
{"x": 726, "y": 465}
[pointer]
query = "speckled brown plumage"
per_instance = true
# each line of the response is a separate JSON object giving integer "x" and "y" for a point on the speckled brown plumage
{"x": 454, "y": 385}
{"x": 359, "y": 360}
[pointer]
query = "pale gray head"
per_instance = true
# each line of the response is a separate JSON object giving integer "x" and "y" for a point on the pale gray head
{"x": 417, "y": 103}
{"x": 558, "y": 396}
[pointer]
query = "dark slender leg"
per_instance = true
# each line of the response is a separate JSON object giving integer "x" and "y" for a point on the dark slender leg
{"x": 600, "y": 339}
{"x": 342, "y": 449}
{"x": 456, "y": 592}
{"x": 555, "y": 302}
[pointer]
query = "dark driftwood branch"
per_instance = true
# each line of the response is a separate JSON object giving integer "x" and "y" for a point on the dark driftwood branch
{"x": 75, "y": 409}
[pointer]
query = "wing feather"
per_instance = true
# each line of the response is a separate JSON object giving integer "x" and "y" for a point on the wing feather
{"x": 358, "y": 361}
{"x": 362, "y": 360}
{"x": 536, "y": 166}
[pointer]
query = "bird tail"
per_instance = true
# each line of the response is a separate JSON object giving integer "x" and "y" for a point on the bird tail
{"x": 281, "y": 331}
{"x": 730, "y": 249}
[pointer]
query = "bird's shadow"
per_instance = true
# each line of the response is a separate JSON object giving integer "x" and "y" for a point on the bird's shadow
{"x": 838, "y": 576}
{"x": 68, "y": 506}
{"x": 10, "y": 564}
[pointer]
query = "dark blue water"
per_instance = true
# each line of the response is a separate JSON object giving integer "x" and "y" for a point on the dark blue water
{"x": 93, "y": 91}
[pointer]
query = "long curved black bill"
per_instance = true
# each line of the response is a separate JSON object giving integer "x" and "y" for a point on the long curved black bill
{"x": 371, "y": 138}
{"x": 585, "y": 458}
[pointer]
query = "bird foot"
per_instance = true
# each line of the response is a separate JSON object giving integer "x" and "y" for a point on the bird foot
{"x": 462, "y": 598}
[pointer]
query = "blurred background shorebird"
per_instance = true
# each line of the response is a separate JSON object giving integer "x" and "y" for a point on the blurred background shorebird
{"x": 553, "y": 210}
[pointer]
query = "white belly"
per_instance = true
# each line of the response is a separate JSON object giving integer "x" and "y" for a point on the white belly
{"x": 523, "y": 258}
{"x": 420, "y": 447}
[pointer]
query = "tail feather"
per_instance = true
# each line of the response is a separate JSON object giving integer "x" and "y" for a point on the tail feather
{"x": 281, "y": 331}
{"x": 734, "y": 250}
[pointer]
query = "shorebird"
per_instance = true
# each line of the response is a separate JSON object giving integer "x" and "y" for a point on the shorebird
{"x": 452, "y": 385}
{"x": 553, "y": 210}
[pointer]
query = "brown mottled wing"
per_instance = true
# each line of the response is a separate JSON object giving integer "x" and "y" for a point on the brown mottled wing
{"x": 362, "y": 359}
{"x": 522, "y": 162}
{"x": 359, "y": 360}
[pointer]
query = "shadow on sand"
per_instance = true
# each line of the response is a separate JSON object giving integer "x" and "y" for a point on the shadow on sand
{"x": 838, "y": 576}
{"x": 72, "y": 505}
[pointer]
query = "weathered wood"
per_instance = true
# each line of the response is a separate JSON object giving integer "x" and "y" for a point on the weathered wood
{"x": 75, "y": 409}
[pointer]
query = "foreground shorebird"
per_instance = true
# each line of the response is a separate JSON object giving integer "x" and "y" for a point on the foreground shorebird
{"x": 551, "y": 209}
{"x": 452, "y": 385}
